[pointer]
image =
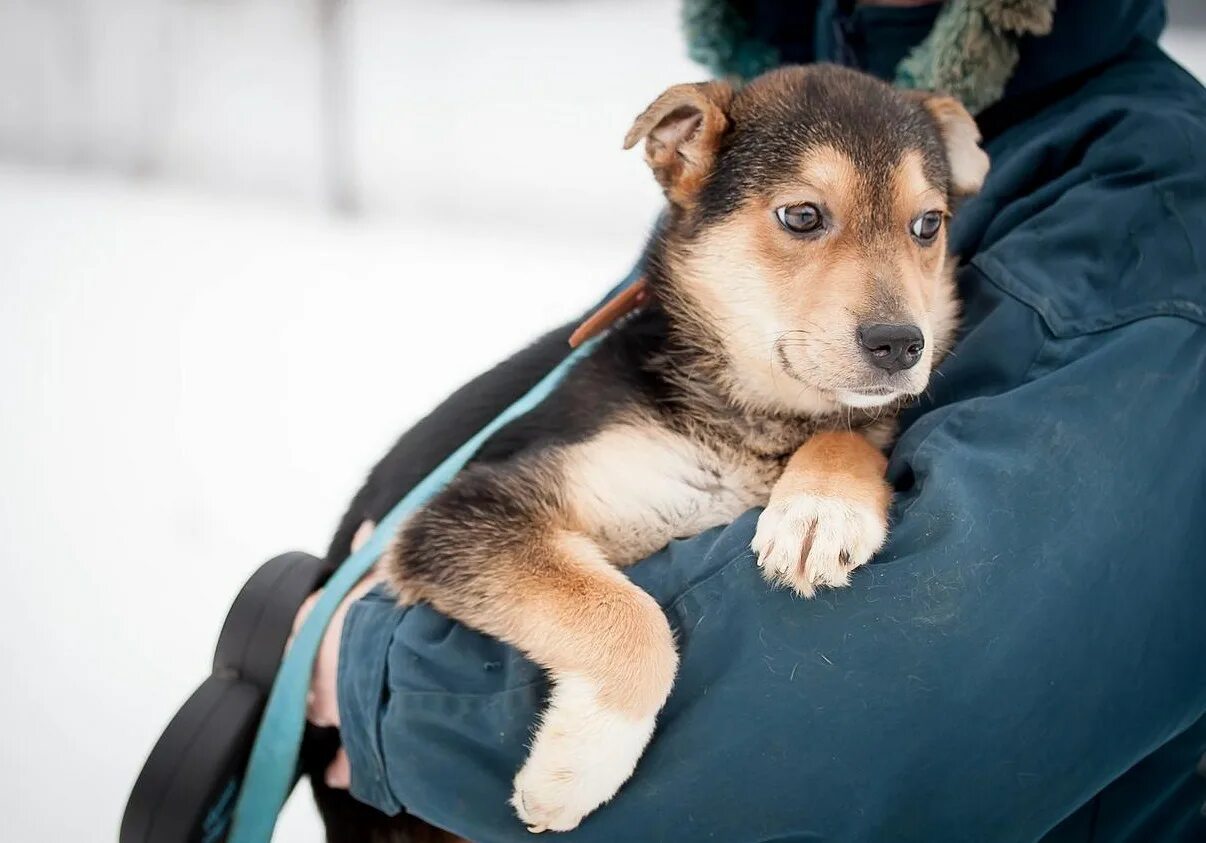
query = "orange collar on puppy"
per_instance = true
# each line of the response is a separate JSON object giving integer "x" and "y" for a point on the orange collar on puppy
{"x": 633, "y": 297}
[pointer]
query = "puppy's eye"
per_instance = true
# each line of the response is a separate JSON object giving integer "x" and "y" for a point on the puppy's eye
{"x": 801, "y": 219}
{"x": 925, "y": 227}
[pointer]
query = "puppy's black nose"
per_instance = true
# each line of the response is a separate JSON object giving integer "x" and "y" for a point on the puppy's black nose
{"x": 891, "y": 347}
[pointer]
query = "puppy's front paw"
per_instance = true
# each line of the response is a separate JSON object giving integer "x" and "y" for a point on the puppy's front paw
{"x": 554, "y": 794}
{"x": 581, "y": 755}
{"x": 805, "y": 540}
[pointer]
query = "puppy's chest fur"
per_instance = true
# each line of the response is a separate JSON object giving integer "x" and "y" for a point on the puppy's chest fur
{"x": 636, "y": 454}
{"x": 636, "y": 485}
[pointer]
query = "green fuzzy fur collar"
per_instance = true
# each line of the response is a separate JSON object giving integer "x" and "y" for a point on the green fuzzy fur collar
{"x": 970, "y": 53}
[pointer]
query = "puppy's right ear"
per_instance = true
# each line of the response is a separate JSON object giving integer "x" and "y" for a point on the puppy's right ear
{"x": 682, "y": 131}
{"x": 961, "y": 137}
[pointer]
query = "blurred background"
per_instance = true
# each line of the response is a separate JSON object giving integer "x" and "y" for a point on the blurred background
{"x": 243, "y": 244}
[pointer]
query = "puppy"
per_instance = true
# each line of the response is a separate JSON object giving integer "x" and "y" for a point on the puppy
{"x": 801, "y": 290}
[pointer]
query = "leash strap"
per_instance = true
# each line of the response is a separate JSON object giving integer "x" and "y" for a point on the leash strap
{"x": 271, "y": 770}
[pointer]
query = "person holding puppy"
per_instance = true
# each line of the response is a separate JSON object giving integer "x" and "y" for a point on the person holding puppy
{"x": 1025, "y": 656}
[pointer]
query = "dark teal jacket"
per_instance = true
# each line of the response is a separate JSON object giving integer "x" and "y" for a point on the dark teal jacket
{"x": 1026, "y": 658}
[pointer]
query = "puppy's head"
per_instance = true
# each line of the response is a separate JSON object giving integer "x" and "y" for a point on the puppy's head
{"x": 806, "y": 240}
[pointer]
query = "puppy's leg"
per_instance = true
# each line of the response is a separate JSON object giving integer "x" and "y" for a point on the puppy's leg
{"x": 827, "y": 514}
{"x": 611, "y": 655}
{"x": 606, "y": 644}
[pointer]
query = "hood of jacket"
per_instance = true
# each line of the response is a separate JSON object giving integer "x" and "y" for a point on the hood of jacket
{"x": 982, "y": 51}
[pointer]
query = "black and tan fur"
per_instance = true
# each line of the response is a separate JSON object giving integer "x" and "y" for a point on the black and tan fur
{"x": 744, "y": 384}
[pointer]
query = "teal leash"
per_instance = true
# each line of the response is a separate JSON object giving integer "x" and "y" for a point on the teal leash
{"x": 272, "y": 768}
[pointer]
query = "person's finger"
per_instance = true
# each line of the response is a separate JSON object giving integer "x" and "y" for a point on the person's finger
{"x": 363, "y": 533}
{"x": 303, "y": 612}
{"x": 322, "y": 705}
{"x": 339, "y": 771}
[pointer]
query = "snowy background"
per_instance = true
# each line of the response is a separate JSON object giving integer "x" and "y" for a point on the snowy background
{"x": 243, "y": 244}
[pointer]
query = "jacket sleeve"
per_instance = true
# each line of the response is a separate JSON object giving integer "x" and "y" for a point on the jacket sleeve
{"x": 1032, "y": 632}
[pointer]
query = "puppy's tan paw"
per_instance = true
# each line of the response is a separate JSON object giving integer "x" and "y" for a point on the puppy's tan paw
{"x": 550, "y": 799}
{"x": 806, "y": 541}
{"x": 581, "y": 755}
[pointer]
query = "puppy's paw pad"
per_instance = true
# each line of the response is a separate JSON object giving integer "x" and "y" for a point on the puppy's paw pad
{"x": 551, "y": 799}
{"x": 806, "y": 541}
{"x": 580, "y": 758}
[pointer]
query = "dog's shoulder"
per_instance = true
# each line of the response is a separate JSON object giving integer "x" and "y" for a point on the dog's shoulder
{"x": 615, "y": 381}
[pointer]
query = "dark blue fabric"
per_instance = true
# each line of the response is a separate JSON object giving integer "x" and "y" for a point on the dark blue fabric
{"x": 1086, "y": 34}
{"x": 871, "y": 38}
{"x": 1026, "y": 658}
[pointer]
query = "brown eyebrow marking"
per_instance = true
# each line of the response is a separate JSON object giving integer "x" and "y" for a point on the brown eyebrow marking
{"x": 827, "y": 171}
{"x": 912, "y": 185}
{"x": 827, "y": 165}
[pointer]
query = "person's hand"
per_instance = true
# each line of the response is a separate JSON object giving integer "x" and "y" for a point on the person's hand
{"x": 322, "y": 704}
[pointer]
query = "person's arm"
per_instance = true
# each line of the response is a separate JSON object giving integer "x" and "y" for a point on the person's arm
{"x": 1031, "y": 631}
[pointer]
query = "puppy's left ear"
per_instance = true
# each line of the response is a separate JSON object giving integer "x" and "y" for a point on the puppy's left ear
{"x": 968, "y": 162}
{"x": 682, "y": 130}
